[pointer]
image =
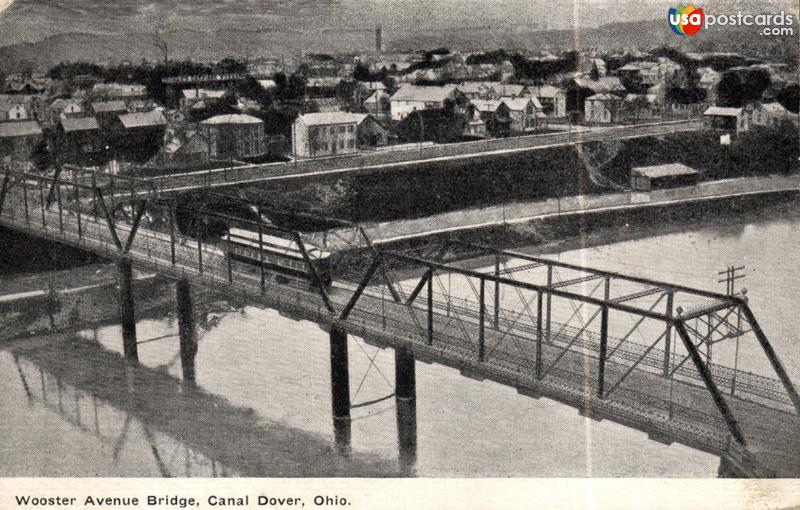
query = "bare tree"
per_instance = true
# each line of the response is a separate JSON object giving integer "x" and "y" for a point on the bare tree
{"x": 161, "y": 43}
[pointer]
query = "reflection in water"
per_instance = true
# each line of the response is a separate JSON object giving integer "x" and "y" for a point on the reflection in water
{"x": 75, "y": 373}
{"x": 261, "y": 404}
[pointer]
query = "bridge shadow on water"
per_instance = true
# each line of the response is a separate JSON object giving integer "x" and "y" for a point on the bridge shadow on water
{"x": 234, "y": 440}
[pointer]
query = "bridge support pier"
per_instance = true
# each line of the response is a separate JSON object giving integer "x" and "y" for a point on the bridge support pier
{"x": 406, "y": 400}
{"x": 186, "y": 329}
{"x": 340, "y": 390}
{"x": 127, "y": 314}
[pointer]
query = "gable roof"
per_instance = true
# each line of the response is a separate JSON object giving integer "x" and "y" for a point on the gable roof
{"x": 776, "y": 108}
{"x": 667, "y": 170}
{"x": 601, "y": 85}
{"x": 521, "y": 103}
{"x": 547, "y": 91}
{"x": 19, "y": 128}
{"x": 234, "y": 118}
{"x": 268, "y": 84}
{"x": 202, "y": 93}
{"x": 486, "y": 105}
{"x": 722, "y": 111}
{"x": 326, "y": 118}
{"x": 603, "y": 97}
{"x": 424, "y": 93}
{"x": 109, "y": 106}
{"x": 142, "y": 119}
{"x": 72, "y": 124}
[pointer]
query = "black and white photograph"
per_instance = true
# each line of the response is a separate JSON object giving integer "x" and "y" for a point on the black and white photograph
{"x": 386, "y": 241}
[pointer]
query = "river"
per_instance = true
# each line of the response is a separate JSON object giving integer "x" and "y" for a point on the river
{"x": 271, "y": 374}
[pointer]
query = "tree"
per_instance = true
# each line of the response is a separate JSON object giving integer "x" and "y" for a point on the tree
{"x": 789, "y": 97}
{"x": 361, "y": 72}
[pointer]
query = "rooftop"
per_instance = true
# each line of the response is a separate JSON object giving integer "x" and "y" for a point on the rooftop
{"x": 668, "y": 170}
{"x": 234, "y": 118}
{"x": 19, "y": 128}
{"x": 142, "y": 119}
{"x": 71, "y": 124}
{"x": 722, "y": 111}
{"x": 424, "y": 94}
{"x": 109, "y": 106}
{"x": 326, "y": 118}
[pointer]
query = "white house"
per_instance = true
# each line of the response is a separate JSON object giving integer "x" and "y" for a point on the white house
{"x": 411, "y": 98}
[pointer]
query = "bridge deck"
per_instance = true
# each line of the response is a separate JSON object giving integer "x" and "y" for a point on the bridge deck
{"x": 678, "y": 409}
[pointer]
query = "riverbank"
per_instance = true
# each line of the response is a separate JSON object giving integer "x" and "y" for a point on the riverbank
{"x": 552, "y": 234}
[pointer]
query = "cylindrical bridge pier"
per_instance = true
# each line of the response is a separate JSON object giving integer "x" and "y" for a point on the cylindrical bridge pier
{"x": 406, "y": 402}
{"x": 127, "y": 313}
{"x": 340, "y": 390}
{"x": 186, "y": 329}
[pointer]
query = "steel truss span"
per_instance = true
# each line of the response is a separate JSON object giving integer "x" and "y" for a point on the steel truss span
{"x": 662, "y": 358}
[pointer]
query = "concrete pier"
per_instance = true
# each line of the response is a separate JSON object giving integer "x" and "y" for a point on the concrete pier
{"x": 340, "y": 391}
{"x": 406, "y": 405}
{"x": 186, "y": 329}
{"x": 340, "y": 377}
{"x": 127, "y": 314}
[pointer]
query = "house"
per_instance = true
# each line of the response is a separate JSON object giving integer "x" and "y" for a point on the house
{"x": 192, "y": 149}
{"x": 107, "y": 112}
{"x": 672, "y": 175}
{"x": 234, "y": 136}
{"x": 19, "y": 138}
{"x": 124, "y": 91}
{"x": 411, "y": 97}
{"x": 138, "y": 136}
{"x": 726, "y": 119}
{"x": 268, "y": 85}
{"x": 769, "y": 114}
{"x": 13, "y": 111}
{"x": 378, "y": 103}
{"x": 580, "y": 88}
{"x": 603, "y": 108}
{"x": 364, "y": 90}
{"x": 62, "y": 108}
{"x": 476, "y": 126}
{"x": 709, "y": 79}
{"x": 495, "y": 114}
{"x": 493, "y": 90}
{"x": 523, "y": 112}
{"x": 371, "y": 132}
{"x": 325, "y": 134}
{"x": 79, "y": 138}
{"x": 552, "y": 99}
{"x": 200, "y": 99}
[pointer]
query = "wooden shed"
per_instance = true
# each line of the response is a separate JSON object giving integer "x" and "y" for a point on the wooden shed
{"x": 672, "y": 175}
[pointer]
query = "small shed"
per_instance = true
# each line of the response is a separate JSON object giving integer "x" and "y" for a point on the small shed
{"x": 672, "y": 175}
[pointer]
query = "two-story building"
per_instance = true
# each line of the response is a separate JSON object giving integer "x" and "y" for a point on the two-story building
{"x": 325, "y": 134}
{"x": 335, "y": 133}
{"x": 411, "y": 98}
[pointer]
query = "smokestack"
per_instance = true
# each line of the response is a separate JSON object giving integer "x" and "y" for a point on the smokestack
{"x": 379, "y": 39}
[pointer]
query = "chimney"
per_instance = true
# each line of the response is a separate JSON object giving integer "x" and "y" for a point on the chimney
{"x": 379, "y": 39}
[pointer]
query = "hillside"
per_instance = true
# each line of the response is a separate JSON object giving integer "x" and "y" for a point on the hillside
{"x": 47, "y": 32}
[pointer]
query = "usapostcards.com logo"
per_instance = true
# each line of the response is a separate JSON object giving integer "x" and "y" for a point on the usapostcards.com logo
{"x": 686, "y": 20}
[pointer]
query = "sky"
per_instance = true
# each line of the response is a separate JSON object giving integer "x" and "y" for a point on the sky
{"x": 31, "y": 20}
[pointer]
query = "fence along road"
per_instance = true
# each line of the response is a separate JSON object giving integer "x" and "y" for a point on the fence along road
{"x": 376, "y": 161}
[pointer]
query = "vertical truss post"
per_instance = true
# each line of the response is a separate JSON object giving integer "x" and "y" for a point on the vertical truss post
{"x": 60, "y": 207}
{"x": 25, "y": 201}
{"x": 200, "y": 250}
{"x": 230, "y": 261}
{"x": 668, "y": 336}
{"x": 497, "y": 292}
{"x": 172, "y": 236}
{"x": 4, "y": 190}
{"x": 549, "y": 302}
{"x": 719, "y": 400}
{"x": 538, "y": 334}
{"x": 430, "y": 306}
{"x": 601, "y": 372}
{"x": 41, "y": 201}
{"x": 482, "y": 322}
{"x": 261, "y": 259}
